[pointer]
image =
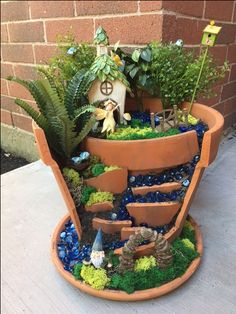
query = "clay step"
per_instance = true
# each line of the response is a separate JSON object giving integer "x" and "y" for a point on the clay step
{"x": 114, "y": 181}
{"x": 99, "y": 207}
{"x": 163, "y": 188}
{"x": 154, "y": 214}
{"x": 110, "y": 226}
{"x": 126, "y": 232}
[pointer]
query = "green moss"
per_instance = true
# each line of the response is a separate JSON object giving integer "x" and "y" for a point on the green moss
{"x": 99, "y": 197}
{"x": 72, "y": 176}
{"x": 98, "y": 169}
{"x": 96, "y": 278}
{"x": 137, "y": 123}
{"x": 188, "y": 244}
{"x": 188, "y": 232}
{"x": 145, "y": 263}
{"x": 138, "y": 133}
{"x": 77, "y": 271}
{"x": 86, "y": 192}
{"x": 111, "y": 168}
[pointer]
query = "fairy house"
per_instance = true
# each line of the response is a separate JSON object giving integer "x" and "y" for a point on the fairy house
{"x": 110, "y": 82}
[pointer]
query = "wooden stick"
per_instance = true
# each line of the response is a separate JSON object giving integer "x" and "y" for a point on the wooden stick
{"x": 152, "y": 117}
{"x": 162, "y": 124}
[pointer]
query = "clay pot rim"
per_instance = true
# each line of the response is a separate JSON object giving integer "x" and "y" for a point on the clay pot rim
{"x": 118, "y": 295}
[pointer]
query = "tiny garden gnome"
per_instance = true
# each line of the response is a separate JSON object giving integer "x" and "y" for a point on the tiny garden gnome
{"x": 97, "y": 256}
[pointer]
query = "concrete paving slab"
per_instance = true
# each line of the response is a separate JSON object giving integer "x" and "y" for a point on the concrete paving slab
{"x": 31, "y": 208}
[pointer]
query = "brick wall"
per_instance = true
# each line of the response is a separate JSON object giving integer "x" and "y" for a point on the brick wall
{"x": 29, "y": 30}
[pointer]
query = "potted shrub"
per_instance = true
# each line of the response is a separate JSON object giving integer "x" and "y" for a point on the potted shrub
{"x": 128, "y": 170}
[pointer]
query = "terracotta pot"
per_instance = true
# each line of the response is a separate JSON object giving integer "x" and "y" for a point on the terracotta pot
{"x": 163, "y": 188}
{"x": 154, "y": 214}
{"x": 121, "y": 295}
{"x": 114, "y": 181}
{"x": 99, "y": 207}
{"x": 167, "y": 152}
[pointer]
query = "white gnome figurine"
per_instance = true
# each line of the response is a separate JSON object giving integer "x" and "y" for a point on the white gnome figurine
{"x": 97, "y": 256}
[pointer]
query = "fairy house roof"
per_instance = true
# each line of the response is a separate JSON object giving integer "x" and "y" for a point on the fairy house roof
{"x": 105, "y": 68}
{"x": 101, "y": 37}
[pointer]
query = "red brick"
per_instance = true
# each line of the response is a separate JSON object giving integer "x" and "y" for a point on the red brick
{"x": 213, "y": 100}
{"x": 26, "y": 72}
{"x": 188, "y": 30}
{"x": 229, "y": 90}
{"x": 17, "y": 53}
{"x": 6, "y": 117}
{"x": 132, "y": 29}
{"x": 26, "y": 32}
{"x": 14, "y": 11}
{"x": 149, "y": 6}
{"x": 6, "y": 70}
{"x": 232, "y": 73}
{"x": 83, "y": 29}
{"x": 230, "y": 120}
{"x": 234, "y": 17}
{"x": 219, "y": 54}
{"x": 105, "y": 7}
{"x": 192, "y": 8}
{"x": 8, "y": 103}
{"x": 229, "y": 105}
{"x": 41, "y": 9}
{"x": 169, "y": 28}
{"x": 22, "y": 122}
{"x": 227, "y": 34}
{"x": 4, "y": 34}
{"x": 219, "y": 107}
{"x": 219, "y": 10}
{"x": 43, "y": 53}
{"x": 18, "y": 91}
{"x": 232, "y": 53}
{"x": 4, "y": 90}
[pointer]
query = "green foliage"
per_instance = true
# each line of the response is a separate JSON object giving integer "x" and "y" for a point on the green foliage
{"x": 77, "y": 271}
{"x": 93, "y": 160}
{"x": 137, "y": 123}
{"x": 98, "y": 169}
{"x": 63, "y": 131}
{"x": 111, "y": 168}
{"x": 101, "y": 37}
{"x": 63, "y": 66}
{"x": 72, "y": 176}
{"x": 174, "y": 73}
{"x": 86, "y": 191}
{"x": 99, "y": 197}
{"x": 96, "y": 278}
{"x": 139, "y": 134}
{"x": 105, "y": 68}
{"x": 145, "y": 263}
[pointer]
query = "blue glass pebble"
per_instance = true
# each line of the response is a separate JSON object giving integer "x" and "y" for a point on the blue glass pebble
{"x": 186, "y": 183}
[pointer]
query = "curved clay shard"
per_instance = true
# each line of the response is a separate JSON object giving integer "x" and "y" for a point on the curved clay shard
{"x": 99, "y": 207}
{"x": 146, "y": 154}
{"x": 114, "y": 181}
{"x": 110, "y": 226}
{"x": 154, "y": 214}
{"x": 163, "y": 188}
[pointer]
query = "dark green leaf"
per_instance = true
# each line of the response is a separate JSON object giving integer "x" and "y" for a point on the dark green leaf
{"x": 133, "y": 72}
{"x": 146, "y": 55}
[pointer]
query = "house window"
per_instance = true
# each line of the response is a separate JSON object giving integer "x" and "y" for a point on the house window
{"x": 106, "y": 88}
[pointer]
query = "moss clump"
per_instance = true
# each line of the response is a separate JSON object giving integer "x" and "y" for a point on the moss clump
{"x": 72, "y": 176}
{"x": 137, "y": 123}
{"x": 188, "y": 244}
{"x": 77, "y": 270}
{"x": 98, "y": 169}
{"x": 188, "y": 232}
{"x": 99, "y": 197}
{"x": 111, "y": 168}
{"x": 139, "y": 133}
{"x": 145, "y": 263}
{"x": 93, "y": 160}
{"x": 96, "y": 278}
{"x": 86, "y": 192}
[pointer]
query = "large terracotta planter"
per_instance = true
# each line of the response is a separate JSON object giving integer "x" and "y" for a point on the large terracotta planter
{"x": 121, "y": 295}
{"x": 138, "y": 156}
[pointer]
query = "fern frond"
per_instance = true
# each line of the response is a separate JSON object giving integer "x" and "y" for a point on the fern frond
{"x": 36, "y": 116}
{"x": 82, "y": 110}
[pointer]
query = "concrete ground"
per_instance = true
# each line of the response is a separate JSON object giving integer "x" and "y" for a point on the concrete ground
{"x": 31, "y": 208}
